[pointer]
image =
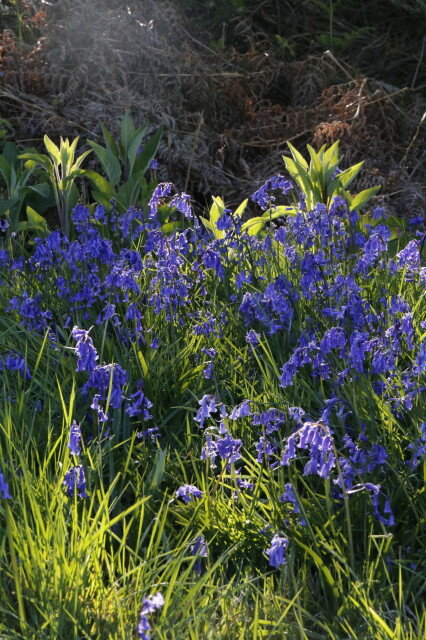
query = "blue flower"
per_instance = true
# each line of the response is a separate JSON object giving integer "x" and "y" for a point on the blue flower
{"x": 188, "y": 492}
{"x": 74, "y": 443}
{"x": 150, "y": 604}
{"x": 4, "y": 488}
{"x": 86, "y": 352}
{"x": 277, "y": 551}
{"x": 75, "y": 481}
{"x": 199, "y": 549}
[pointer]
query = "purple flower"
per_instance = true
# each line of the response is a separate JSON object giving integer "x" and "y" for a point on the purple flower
{"x": 150, "y": 604}
{"x": 75, "y": 481}
{"x": 208, "y": 406}
{"x": 277, "y": 551}
{"x": 199, "y": 549}
{"x": 140, "y": 405}
{"x": 241, "y": 411}
{"x": 4, "y": 488}
{"x": 252, "y": 338}
{"x": 74, "y": 443}
{"x": 16, "y": 362}
{"x": 86, "y": 352}
{"x": 264, "y": 197}
{"x": 188, "y": 492}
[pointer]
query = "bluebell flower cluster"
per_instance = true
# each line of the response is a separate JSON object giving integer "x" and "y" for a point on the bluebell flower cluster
{"x": 277, "y": 551}
{"x": 74, "y": 442}
{"x": 188, "y": 492}
{"x": 75, "y": 482}
{"x": 199, "y": 549}
{"x": 150, "y": 604}
{"x": 4, "y": 488}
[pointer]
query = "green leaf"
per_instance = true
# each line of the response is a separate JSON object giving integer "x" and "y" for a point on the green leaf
{"x": 241, "y": 208}
{"x": 254, "y": 226}
{"x": 104, "y": 187}
{"x": 315, "y": 159}
{"x": 297, "y": 156}
{"x": 169, "y": 227}
{"x": 134, "y": 145}
{"x": 346, "y": 176}
{"x": 37, "y": 158}
{"x": 108, "y": 161}
{"x": 147, "y": 155}
{"x": 109, "y": 141}
{"x": 216, "y": 211}
{"x": 36, "y": 220}
{"x": 42, "y": 189}
{"x": 52, "y": 149}
{"x": 5, "y": 205}
{"x": 363, "y": 197}
{"x": 127, "y": 131}
{"x": 128, "y": 193}
{"x": 5, "y": 169}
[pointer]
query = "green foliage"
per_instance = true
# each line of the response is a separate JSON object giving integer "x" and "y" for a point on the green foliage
{"x": 62, "y": 168}
{"x": 125, "y": 165}
{"x": 20, "y": 194}
{"x": 321, "y": 180}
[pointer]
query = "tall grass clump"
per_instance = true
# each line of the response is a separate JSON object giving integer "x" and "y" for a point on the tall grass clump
{"x": 207, "y": 432}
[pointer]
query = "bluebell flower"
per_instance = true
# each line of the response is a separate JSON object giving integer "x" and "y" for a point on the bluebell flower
{"x": 409, "y": 258}
{"x": 385, "y": 515}
{"x": 252, "y": 338}
{"x": 418, "y": 448}
{"x": 188, "y": 492}
{"x": 74, "y": 442}
{"x": 208, "y": 406}
{"x": 420, "y": 361}
{"x": 225, "y": 221}
{"x": 4, "y": 489}
{"x": 15, "y": 362}
{"x": 277, "y": 551}
{"x": 264, "y": 195}
{"x": 240, "y": 411}
{"x": 100, "y": 380}
{"x": 150, "y": 604}
{"x": 85, "y": 350}
{"x": 199, "y": 549}
{"x": 75, "y": 481}
{"x": 140, "y": 405}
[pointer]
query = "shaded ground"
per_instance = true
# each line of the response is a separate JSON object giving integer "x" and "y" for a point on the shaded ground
{"x": 230, "y": 81}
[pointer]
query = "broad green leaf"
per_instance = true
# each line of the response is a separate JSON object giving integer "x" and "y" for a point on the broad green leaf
{"x": 315, "y": 159}
{"x": 216, "y": 211}
{"x": 36, "y": 220}
{"x": 241, "y": 208}
{"x": 147, "y": 155}
{"x": 345, "y": 177}
{"x": 207, "y": 224}
{"x": 101, "y": 184}
{"x": 37, "y": 158}
{"x": 5, "y": 205}
{"x": 52, "y": 149}
{"x": 127, "y": 131}
{"x": 363, "y": 197}
{"x": 5, "y": 169}
{"x": 297, "y": 156}
{"x": 331, "y": 155}
{"x": 79, "y": 160}
{"x": 108, "y": 161}
{"x": 134, "y": 145}
{"x": 254, "y": 226}
{"x": 109, "y": 141}
{"x": 279, "y": 212}
{"x": 169, "y": 227}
